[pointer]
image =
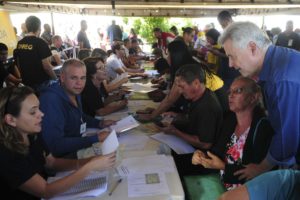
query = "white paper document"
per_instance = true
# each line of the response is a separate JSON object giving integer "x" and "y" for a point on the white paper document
{"x": 133, "y": 165}
{"x": 110, "y": 144}
{"x": 125, "y": 124}
{"x": 147, "y": 184}
{"x": 92, "y": 186}
{"x": 177, "y": 144}
{"x": 119, "y": 77}
{"x": 139, "y": 87}
{"x": 151, "y": 72}
{"x": 133, "y": 142}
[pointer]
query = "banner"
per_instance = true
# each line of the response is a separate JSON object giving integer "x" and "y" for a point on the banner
{"x": 7, "y": 34}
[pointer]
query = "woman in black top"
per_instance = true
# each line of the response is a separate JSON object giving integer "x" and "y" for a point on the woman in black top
{"x": 93, "y": 99}
{"x": 245, "y": 135}
{"x": 23, "y": 157}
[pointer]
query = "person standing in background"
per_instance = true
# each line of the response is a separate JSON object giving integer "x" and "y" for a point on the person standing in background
{"x": 289, "y": 38}
{"x": 32, "y": 56}
{"x": 227, "y": 73}
{"x": 24, "y": 30}
{"x": 114, "y": 32}
{"x": 47, "y": 35}
{"x": 82, "y": 38}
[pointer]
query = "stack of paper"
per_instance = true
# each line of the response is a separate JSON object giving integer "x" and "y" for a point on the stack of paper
{"x": 92, "y": 186}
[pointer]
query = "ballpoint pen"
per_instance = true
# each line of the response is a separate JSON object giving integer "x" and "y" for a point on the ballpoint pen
{"x": 115, "y": 186}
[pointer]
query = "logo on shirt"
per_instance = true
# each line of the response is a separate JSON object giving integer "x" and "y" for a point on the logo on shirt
{"x": 25, "y": 46}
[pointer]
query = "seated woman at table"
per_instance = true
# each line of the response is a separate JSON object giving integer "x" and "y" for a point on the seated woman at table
{"x": 163, "y": 69}
{"x": 92, "y": 99}
{"x": 23, "y": 155}
{"x": 179, "y": 55}
{"x": 245, "y": 135}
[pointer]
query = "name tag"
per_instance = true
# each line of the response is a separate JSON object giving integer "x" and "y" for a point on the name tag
{"x": 82, "y": 128}
{"x": 290, "y": 43}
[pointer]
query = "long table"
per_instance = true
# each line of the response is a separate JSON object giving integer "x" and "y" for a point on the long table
{"x": 152, "y": 147}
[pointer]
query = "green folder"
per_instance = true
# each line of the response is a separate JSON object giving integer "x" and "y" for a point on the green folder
{"x": 204, "y": 187}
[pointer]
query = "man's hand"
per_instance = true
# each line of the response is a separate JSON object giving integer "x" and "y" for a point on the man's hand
{"x": 106, "y": 123}
{"x": 171, "y": 130}
{"x": 252, "y": 170}
{"x": 103, "y": 135}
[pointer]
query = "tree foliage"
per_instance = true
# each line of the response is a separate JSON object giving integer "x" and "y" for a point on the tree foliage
{"x": 144, "y": 26}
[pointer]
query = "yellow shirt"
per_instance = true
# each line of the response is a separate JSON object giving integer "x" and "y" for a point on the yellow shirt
{"x": 213, "y": 82}
{"x": 213, "y": 59}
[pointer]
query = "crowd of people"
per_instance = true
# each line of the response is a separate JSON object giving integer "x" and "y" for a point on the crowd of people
{"x": 233, "y": 96}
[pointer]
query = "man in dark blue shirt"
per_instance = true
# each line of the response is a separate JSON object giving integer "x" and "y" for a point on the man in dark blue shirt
{"x": 277, "y": 69}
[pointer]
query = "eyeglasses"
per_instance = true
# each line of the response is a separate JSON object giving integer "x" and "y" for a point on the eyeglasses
{"x": 236, "y": 91}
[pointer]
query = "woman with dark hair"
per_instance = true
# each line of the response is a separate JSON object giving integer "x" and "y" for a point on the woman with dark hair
{"x": 97, "y": 52}
{"x": 23, "y": 155}
{"x": 174, "y": 30}
{"x": 187, "y": 37}
{"x": 92, "y": 99}
{"x": 178, "y": 55}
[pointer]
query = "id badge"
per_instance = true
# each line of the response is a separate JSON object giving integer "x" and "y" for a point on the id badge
{"x": 82, "y": 128}
{"x": 290, "y": 43}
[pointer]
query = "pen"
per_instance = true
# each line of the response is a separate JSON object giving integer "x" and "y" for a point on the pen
{"x": 114, "y": 187}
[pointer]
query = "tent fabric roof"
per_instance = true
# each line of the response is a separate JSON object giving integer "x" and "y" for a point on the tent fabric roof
{"x": 168, "y": 8}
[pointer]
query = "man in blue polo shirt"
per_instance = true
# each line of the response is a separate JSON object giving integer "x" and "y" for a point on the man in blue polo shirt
{"x": 277, "y": 70}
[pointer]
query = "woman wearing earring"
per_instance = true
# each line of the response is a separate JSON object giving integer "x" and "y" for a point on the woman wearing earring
{"x": 24, "y": 158}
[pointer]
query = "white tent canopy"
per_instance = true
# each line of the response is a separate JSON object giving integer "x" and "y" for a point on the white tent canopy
{"x": 168, "y": 8}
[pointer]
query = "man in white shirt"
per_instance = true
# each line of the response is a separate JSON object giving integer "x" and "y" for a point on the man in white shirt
{"x": 115, "y": 65}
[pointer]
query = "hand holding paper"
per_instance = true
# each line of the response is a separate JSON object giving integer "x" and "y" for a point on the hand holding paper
{"x": 125, "y": 124}
{"x": 110, "y": 144}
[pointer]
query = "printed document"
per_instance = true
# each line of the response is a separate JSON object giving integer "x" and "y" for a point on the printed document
{"x": 147, "y": 184}
{"x": 177, "y": 144}
{"x": 133, "y": 165}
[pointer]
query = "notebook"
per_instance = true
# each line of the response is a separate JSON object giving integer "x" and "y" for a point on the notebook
{"x": 93, "y": 185}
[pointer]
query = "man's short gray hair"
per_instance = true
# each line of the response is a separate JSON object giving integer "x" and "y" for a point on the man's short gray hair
{"x": 71, "y": 62}
{"x": 241, "y": 33}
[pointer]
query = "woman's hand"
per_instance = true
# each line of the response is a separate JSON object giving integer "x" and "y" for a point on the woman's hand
{"x": 212, "y": 162}
{"x": 102, "y": 162}
{"x": 196, "y": 159}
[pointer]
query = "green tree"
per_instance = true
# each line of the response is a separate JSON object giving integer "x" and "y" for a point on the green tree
{"x": 144, "y": 26}
{"x": 125, "y": 20}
